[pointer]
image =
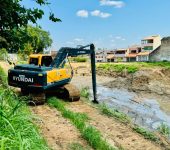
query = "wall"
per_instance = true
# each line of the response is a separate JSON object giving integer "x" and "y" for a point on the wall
{"x": 162, "y": 53}
{"x": 157, "y": 42}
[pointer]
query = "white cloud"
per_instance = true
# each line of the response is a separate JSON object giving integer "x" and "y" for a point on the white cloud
{"x": 82, "y": 13}
{"x": 78, "y": 40}
{"x": 98, "y": 13}
{"x": 120, "y": 38}
{"x": 115, "y": 3}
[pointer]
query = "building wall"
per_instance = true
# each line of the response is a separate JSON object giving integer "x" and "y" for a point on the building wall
{"x": 162, "y": 53}
{"x": 151, "y": 46}
{"x": 142, "y": 58}
{"x": 131, "y": 59}
{"x": 156, "y": 42}
{"x": 101, "y": 56}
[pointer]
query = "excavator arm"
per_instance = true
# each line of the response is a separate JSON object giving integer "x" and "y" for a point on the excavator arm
{"x": 65, "y": 52}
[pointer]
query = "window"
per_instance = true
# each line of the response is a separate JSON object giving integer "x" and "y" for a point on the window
{"x": 148, "y": 48}
{"x": 46, "y": 61}
{"x": 34, "y": 61}
{"x": 133, "y": 51}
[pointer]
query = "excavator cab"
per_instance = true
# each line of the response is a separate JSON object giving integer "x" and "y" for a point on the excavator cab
{"x": 40, "y": 59}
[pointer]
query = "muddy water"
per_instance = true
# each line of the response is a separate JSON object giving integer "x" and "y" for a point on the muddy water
{"x": 144, "y": 111}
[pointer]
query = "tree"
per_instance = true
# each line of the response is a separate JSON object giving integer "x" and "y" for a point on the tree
{"x": 13, "y": 16}
{"x": 38, "y": 38}
{"x": 3, "y": 54}
{"x": 32, "y": 40}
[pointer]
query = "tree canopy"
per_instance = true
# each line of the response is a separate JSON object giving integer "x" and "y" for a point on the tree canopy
{"x": 37, "y": 38}
{"x": 14, "y": 19}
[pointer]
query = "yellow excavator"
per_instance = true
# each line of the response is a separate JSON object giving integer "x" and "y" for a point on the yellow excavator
{"x": 44, "y": 75}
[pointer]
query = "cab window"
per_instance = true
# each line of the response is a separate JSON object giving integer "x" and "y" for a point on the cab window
{"x": 34, "y": 61}
{"x": 46, "y": 61}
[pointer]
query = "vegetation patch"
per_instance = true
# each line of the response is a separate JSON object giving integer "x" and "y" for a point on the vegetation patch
{"x": 88, "y": 132}
{"x": 78, "y": 146}
{"x": 164, "y": 129}
{"x": 147, "y": 134}
{"x": 17, "y": 130}
{"x": 85, "y": 92}
{"x": 119, "y": 67}
{"x": 115, "y": 114}
{"x": 132, "y": 67}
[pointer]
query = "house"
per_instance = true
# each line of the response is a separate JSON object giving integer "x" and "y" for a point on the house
{"x": 162, "y": 53}
{"x": 101, "y": 56}
{"x": 110, "y": 56}
{"x": 149, "y": 44}
{"x": 132, "y": 52}
{"x": 120, "y": 55}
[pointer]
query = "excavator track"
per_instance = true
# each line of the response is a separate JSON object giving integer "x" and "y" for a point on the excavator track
{"x": 69, "y": 92}
{"x": 37, "y": 98}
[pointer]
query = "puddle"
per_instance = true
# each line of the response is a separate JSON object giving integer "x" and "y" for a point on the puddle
{"x": 145, "y": 112}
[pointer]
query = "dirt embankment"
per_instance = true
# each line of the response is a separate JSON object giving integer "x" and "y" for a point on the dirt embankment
{"x": 148, "y": 80}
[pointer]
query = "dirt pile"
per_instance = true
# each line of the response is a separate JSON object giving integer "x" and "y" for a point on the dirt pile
{"x": 148, "y": 80}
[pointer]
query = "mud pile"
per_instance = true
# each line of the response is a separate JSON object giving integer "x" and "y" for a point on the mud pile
{"x": 147, "y": 80}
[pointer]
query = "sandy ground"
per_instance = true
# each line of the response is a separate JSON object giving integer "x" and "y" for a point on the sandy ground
{"x": 60, "y": 133}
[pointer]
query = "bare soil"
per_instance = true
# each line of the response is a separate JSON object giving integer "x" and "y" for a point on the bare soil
{"x": 58, "y": 132}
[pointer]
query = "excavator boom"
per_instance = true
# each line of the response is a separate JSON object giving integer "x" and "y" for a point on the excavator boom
{"x": 74, "y": 52}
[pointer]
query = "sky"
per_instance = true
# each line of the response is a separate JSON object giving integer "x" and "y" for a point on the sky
{"x": 108, "y": 24}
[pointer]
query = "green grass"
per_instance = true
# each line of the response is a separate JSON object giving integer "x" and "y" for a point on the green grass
{"x": 17, "y": 128}
{"x": 115, "y": 114}
{"x": 78, "y": 146}
{"x": 147, "y": 134}
{"x": 3, "y": 77}
{"x": 118, "y": 67}
{"x": 85, "y": 92}
{"x": 132, "y": 67}
{"x": 80, "y": 120}
{"x": 164, "y": 129}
